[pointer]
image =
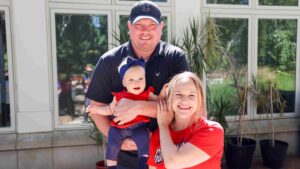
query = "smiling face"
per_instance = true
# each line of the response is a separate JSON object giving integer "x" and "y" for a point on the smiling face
{"x": 145, "y": 35}
{"x": 134, "y": 80}
{"x": 185, "y": 99}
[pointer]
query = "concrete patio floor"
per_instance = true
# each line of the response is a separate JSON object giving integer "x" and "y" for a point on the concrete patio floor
{"x": 291, "y": 162}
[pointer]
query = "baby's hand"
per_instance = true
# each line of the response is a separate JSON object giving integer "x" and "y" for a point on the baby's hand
{"x": 102, "y": 110}
{"x": 91, "y": 109}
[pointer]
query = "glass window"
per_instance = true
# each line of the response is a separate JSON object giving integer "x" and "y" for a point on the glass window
{"x": 279, "y": 2}
{"x": 123, "y": 37}
{"x": 235, "y": 2}
{"x": 277, "y": 56}
{"x": 80, "y": 40}
{"x": 5, "y": 120}
{"x": 231, "y": 70}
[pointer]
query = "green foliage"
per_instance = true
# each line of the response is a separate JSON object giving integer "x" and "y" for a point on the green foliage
{"x": 227, "y": 1}
{"x": 277, "y": 44}
{"x": 98, "y": 137}
{"x": 202, "y": 46}
{"x": 286, "y": 56}
{"x": 279, "y": 2}
{"x": 285, "y": 81}
{"x": 234, "y": 37}
{"x": 219, "y": 106}
{"x": 123, "y": 36}
{"x": 95, "y": 134}
{"x": 80, "y": 39}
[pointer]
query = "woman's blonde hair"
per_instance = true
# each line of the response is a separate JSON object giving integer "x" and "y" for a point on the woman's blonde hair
{"x": 201, "y": 110}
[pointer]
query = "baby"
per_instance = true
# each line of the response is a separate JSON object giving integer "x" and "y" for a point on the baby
{"x": 132, "y": 73}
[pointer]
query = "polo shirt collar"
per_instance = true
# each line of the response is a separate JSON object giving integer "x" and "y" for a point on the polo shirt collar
{"x": 158, "y": 51}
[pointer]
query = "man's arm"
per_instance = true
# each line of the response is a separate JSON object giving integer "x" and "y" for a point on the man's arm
{"x": 102, "y": 122}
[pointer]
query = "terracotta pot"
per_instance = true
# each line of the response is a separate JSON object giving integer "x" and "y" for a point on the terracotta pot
{"x": 101, "y": 165}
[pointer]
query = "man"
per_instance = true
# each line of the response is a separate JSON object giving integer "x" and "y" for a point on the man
{"x": 162, "y": 62}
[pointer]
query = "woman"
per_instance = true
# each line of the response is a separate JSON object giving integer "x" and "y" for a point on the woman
{"x": 185, "y": 138}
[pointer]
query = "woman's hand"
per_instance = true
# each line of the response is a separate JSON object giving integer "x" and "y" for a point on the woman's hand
{"x": 164, "y": 116}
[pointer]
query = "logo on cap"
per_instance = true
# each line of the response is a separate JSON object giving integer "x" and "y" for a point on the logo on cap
{"x": 146, "y": 8}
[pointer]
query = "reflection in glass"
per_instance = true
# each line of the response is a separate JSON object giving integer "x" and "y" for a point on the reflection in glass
{"x": 279, "y": 2}
{"x": 221, "y": 78}
{"x": 277, "y": 56}
{"x": 233, "y": 2}
{"x": 81, "y": 39}
{"x": 4, "y": 86}
{"x": 123, "y": 37}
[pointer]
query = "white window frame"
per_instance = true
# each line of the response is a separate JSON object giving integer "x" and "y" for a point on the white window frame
{"x": 5, "y": 6}
{"x": 113, "y": 9}
{"x": 227, "y": 6}
{"x": 84, "y": 1}
{"x": 125, "y": 2}
{"x": 249, "y": 59}
{"x": 267, "y": 7}
{"x": 54, "y": 56}
{"x": 256, "y": 18}
{"x": 254, "y": 12}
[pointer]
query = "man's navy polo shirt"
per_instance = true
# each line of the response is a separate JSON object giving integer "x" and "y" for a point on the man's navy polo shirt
{"x": 164, "y": 63}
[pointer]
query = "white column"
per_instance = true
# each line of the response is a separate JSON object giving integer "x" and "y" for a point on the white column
{"x": 32, "y": 87}
{"x": 184, "y": 11}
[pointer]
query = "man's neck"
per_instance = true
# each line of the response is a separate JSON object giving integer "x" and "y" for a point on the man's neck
{"x": 145, "y": 55}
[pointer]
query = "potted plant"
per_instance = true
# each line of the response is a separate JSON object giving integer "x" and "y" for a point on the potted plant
{"x": 239, "y": 149}
{"x": 99, "y": 138}
{"x": 268, "y": 100}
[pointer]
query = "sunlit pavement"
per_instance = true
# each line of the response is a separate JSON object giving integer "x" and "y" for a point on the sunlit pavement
{"x": 291, "y": 162}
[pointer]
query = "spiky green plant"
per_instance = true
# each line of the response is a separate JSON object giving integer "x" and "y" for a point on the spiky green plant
{"x": 98, "y": 137}
{"x": 123, "y": 36}
{"x": 202, "y": 45}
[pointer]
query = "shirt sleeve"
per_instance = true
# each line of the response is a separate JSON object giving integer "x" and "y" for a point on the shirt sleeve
{"x": 179, "y": 64}
{"x": 210, "y": 140}
{"x": 101, "y": 82}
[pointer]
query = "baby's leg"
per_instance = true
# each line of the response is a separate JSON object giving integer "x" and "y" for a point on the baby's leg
{"x": 141, "y": 139}
{"x": 113, "y": 146}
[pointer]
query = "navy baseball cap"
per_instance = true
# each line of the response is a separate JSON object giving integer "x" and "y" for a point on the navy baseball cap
{"x": 145, "y": 9}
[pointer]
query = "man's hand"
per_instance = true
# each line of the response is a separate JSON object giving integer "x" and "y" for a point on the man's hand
{"x": 128, "y": 145}
{"x": 163, "y": 93}
{"x": 125, "y": 111}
